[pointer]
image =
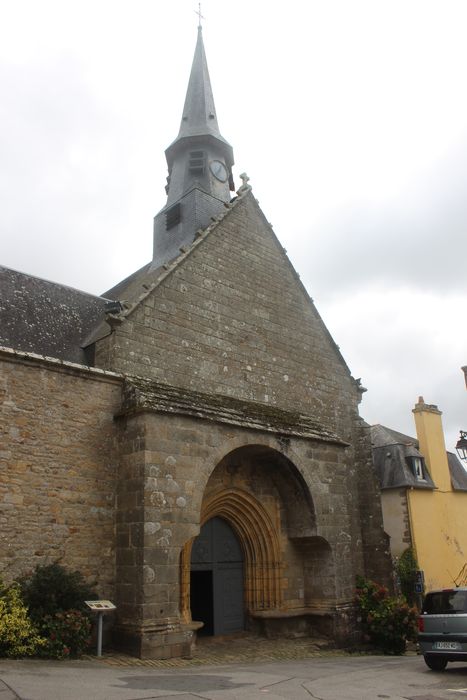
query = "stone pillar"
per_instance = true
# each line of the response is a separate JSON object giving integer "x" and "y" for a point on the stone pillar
{"x": 147, "y": 560}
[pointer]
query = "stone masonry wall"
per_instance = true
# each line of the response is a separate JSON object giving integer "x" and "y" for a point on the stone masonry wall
{"x": 57, "y": 468}
{"x": 376, "y": 547}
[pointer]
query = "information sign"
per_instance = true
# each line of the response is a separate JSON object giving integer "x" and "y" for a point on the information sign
{"x": 100, "y": 607}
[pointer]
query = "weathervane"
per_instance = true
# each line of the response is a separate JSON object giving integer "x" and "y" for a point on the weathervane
{"x": 200, "y": 16}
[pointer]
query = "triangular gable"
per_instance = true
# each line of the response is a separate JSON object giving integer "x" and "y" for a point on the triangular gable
{"x": 137, "y": 287}
{"x": 230, "y": 316}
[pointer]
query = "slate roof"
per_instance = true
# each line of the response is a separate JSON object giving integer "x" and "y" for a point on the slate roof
{"x": 46, "y": 318}
{"x": 380, "y": 435}
{"x": 391, "y": 451}
{"x": 131, "y": 288}
{"x": 458, "y": 473}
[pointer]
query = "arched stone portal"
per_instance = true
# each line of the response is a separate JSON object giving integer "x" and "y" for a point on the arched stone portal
{"x": 262, "y": 496}
{"x": 258, "y": 540}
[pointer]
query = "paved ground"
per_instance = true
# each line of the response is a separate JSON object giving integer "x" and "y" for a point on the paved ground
{"x": 235, "y": 669}
{"x": 237, "y": 648}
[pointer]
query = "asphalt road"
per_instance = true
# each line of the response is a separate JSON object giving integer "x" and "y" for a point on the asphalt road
{"x": 324, "y": 678}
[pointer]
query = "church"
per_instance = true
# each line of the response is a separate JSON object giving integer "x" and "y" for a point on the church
{"x": 190, "y": 440}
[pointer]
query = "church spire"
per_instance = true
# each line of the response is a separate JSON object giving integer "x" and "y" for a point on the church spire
{"x": 200, "y": 167}
{"x": 199, "y": 113}
{"x": 199, "y": 118}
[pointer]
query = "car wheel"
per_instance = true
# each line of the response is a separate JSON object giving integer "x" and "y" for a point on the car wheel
{"x": 436, "y": 663}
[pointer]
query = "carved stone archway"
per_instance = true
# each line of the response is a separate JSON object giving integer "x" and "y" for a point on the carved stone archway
{"x": 260, "y": 543}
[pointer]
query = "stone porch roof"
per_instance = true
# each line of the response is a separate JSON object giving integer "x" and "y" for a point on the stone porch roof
{"x": 140, "y": 395}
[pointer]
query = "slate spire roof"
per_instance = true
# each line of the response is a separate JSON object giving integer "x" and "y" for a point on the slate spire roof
{"x": 199, "y": 116}
{"x": 199, "y": 112}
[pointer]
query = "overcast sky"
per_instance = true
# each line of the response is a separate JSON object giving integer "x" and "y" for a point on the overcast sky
{"x": 349, "y": 116}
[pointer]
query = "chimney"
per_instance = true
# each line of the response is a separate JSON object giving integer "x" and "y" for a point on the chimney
{"x": 430, "y": 436}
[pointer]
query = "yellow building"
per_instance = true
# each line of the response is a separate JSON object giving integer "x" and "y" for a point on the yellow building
{"x": 424, "y": 497}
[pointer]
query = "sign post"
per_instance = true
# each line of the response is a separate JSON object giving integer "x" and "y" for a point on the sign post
{"x": 419, "y": 581}
{"x": 419, "y": 586}
{"x": 101, "y": 607}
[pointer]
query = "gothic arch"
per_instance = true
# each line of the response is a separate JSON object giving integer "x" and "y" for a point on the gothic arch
{"x": 286, "y": 477}
{"x": 263, "y": 445}
{"x": 260, "y": 544}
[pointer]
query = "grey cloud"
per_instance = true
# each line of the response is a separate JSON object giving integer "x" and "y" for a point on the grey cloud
{"x": 63, "y": 175}
{"x": 418, "y": 239}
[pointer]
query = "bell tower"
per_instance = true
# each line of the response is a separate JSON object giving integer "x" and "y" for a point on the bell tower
{"x": 200, "y": 168}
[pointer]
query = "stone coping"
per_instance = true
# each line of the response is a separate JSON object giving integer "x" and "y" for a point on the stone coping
{"x": 12, "y": 355}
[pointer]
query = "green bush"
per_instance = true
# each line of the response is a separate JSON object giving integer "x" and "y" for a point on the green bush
{"x": 406, "y": 568}
{"x": 55, "y": 597}
{"x": 19, "y": 636}
{"x": 52, "y": 588}
{"x": 388, "y": 622}
{"x": 67, "y": 634}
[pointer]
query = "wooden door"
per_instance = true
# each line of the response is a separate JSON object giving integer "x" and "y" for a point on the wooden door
{"x": 216, "y": 591}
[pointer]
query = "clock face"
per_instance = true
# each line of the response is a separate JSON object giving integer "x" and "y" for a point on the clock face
{"x": 219, "y": 170}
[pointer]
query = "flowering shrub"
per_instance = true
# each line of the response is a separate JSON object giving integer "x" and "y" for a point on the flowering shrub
{"x": 387, "y": 621}
{"x": 18, "y": 634}
{"x": 67, "y": 634}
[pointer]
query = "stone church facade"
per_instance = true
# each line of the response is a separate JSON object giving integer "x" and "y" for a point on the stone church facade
{"x": 191, "y": 439}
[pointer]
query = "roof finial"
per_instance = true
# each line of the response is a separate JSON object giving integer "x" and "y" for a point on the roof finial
{"x": 200, "y": 16}
{"x": 244, "y": 186}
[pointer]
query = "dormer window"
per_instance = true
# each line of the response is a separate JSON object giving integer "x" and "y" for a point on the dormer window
{"x": 417, "y": 467}
{"x": 197, "y": 162}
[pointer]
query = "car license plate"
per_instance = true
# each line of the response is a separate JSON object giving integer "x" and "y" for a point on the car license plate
{"x": 447, "y": 645}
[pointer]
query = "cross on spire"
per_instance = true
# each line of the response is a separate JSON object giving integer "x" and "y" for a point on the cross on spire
{"x": 200, "y": 16}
